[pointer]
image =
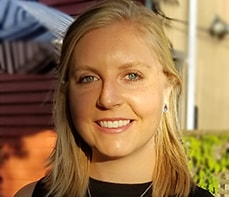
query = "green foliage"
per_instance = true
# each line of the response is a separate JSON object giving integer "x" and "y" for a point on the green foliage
{"x": 209, "y": 158}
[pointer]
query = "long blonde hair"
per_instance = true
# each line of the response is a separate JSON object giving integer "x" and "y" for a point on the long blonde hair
{"x": 70, "y": 160}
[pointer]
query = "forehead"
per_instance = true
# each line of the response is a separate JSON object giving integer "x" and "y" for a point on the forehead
{"x": 116, "y": 31}
{"x": 119, "y": 39}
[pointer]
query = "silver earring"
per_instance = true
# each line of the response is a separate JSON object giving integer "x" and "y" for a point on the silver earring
{"x": 166, "y": 109}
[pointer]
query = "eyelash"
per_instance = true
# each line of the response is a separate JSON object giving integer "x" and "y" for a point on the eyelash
{"x": 84, "y": 79}
{"x": 128, "y": 77}
{"x": 137, "y": 75}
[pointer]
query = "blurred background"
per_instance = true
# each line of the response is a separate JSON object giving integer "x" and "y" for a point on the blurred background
{"x": 30, "y": 37}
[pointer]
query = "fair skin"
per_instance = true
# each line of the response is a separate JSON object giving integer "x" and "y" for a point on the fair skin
{"x": 117, "y": 94}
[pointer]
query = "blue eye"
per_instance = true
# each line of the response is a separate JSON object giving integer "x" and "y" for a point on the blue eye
{"x": 133, "y": 76}
{"x": 87, "y": 79}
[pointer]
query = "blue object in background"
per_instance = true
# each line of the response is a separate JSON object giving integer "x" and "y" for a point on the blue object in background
{"x": 29, "y": 36}
{"x": 30, "y": 20}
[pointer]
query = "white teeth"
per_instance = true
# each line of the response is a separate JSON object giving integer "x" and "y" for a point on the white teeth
{"x": 114, "y": 124}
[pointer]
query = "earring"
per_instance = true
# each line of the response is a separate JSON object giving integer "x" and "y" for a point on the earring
{"x": 166, "y": 109}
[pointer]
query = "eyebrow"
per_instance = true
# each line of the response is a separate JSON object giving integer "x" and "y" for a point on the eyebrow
{"x": 86, "y": 67}
{"x": 82, "y": 67}
{"x": 133, "y": 64}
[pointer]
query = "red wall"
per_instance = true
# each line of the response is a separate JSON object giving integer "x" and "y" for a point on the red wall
{"x": 26, "y": 129}
{"x": 25, "y": 102}
{"x": 23, "y": 159}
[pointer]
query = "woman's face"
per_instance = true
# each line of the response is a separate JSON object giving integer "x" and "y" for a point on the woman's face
{"x": 117, "y": 91}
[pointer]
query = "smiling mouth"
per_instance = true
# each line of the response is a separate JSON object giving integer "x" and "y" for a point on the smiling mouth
{"x": 113, "y": 124}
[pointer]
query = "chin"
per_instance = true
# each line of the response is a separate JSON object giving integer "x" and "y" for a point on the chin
{"x": 109, "y": 154}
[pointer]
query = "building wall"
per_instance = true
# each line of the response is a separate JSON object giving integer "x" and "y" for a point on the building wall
{"x": 26, "y": 129}
{"x": 212, "y": 66}
{"x": 213, "y": 69}
{"x": 23, "y": 159}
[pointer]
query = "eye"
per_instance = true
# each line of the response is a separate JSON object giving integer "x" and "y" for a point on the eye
{"x": 133, "y": 76}
{"x": 87, "y": 79}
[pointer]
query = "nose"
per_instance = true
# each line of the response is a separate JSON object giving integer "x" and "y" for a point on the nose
{"x": 110, "y": 96}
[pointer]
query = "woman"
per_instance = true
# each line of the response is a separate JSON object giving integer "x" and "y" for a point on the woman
{"x": 116, "y": 110}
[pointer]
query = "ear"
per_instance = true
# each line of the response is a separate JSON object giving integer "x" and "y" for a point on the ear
{"x": 167, "y": 92}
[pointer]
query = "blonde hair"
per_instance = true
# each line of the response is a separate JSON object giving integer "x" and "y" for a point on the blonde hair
{"x": 70, "y": 160}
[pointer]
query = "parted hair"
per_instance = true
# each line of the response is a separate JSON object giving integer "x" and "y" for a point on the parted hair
{"x": 68, "y": 173}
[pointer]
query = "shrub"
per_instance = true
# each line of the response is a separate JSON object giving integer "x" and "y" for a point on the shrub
{"x": 209, "y": 157}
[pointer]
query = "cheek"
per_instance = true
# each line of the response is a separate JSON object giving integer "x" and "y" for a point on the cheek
{"x": 150, "y": 109}
{"x": 149, "y": 100}
{"x": 80, "y": 104}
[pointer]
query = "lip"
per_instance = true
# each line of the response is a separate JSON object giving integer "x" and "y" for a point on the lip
{"x": 113, "y": 126}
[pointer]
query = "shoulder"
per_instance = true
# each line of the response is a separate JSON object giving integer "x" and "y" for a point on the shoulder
{"x": 198, "y": 191}
{"x": 26, "y": 191}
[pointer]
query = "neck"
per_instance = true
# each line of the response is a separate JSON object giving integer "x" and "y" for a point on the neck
{"x": 136, "y": 167}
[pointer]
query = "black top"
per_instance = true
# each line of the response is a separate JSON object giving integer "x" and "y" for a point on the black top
{"x": 105, "y": 189}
